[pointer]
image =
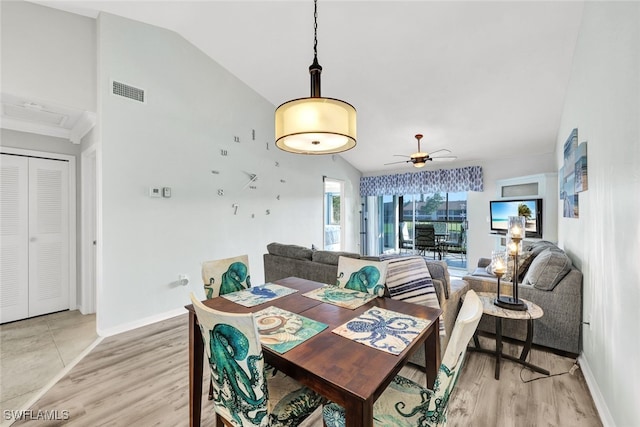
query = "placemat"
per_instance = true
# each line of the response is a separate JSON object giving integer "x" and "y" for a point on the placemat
{"x": 382, "y": 329}
{"x": 281, "y": 330}
{"x": 342, "y": 297}
{"x": 256, "y": 295}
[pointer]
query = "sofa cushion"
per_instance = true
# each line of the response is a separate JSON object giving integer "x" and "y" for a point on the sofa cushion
{"x": 362, "y": 275}
{"x": 408, "y": 279}
{"x": 537, "y": 247}
{"x": 329, "y": 257}
{"x": 524, "y": 260}
{"x": 547, "y": 269}
{"x": 289, "y": 251}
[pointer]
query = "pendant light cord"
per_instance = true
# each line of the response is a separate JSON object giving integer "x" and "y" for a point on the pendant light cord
{"x": 315, "y": 28}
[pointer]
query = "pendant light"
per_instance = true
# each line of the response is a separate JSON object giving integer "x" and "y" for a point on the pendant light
{"x": 315, "y": 125}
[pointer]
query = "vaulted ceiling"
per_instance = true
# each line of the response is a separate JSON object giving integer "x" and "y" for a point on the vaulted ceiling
{"x": 482, "y": 79}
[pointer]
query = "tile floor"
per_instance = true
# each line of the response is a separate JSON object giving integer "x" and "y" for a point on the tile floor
{"x": 33, "y": 351}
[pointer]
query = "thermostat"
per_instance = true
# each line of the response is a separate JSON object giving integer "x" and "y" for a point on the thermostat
{"x": 166, "y": 192}
{"x": 154, "y": 192}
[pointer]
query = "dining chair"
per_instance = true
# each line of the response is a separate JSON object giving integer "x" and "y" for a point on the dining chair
{"x": 362, "y": 275}
{"x": 246, "y": 391}
{"x": 227, "y": 275}
{"x": 406, "y": 403}
{"x": 223, "y": 276}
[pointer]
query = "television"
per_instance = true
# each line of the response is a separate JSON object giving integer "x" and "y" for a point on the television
{"x": 501, "y": 210}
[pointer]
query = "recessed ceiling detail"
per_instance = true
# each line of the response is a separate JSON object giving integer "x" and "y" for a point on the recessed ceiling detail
{"x": 45, "y": 118}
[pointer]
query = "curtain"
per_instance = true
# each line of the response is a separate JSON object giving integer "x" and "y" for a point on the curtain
{"x": 442, "y": 180}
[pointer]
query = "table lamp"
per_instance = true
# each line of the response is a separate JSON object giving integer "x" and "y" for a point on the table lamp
{"x": 515, "y": 234}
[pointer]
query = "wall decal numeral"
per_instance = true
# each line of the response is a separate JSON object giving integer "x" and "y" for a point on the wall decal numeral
{"x": 267, "y": 145}
{"x": 235, "y": 208}
{"x": 253, "y": 134}
{"x": 215, "y": 172}
{"x": 253, "y": 215}
{"x": 268, "y": 212}
{"x": 220, "y": 192}
{"x": 224, "y": 152}
{"x": 282, "y": 181}
{"x": 252, "y": 187}
{"x": 277, "y": 164}
{"x": 278, "y": 197}
{"x": 236, "y": 139}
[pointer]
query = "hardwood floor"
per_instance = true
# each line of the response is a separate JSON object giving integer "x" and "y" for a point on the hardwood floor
{"x": 141, "y": 378}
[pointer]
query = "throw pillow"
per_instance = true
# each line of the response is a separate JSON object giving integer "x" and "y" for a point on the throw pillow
{"x": 523, "y": 262}
{"x": 330, "y": 257}
{"x": 362, "y": 275}
{"x": 289, "y": 251}
{"x": 409, "y": 279}
{"x": 547, "y": 269}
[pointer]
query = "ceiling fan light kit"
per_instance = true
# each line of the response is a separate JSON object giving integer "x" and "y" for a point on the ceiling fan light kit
{"x": 315, "y": 125}
{"x": 420, "y": 158}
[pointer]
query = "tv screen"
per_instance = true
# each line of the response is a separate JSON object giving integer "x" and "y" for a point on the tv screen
{"x": 531, "y": 209}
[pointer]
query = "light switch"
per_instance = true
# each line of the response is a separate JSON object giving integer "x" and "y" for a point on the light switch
{"x": 166, "y": 192}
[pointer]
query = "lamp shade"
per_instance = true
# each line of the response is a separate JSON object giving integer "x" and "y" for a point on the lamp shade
{"x": 315, "y": 125}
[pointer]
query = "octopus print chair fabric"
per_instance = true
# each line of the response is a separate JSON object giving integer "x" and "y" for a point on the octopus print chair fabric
{"x": 246, "y": 392}
{"x": 227, "y": 275}
{"x": 406, "y": 403}
{"x": 362, "y": 275}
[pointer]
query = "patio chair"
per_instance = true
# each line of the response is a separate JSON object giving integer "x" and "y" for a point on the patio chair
{"x": 404, "y": 239}
{"x": 406, "y": 403}
{"x": 246, "y": 391}
{"x": 456, "y": 243}
{"x": 426, "y": 239}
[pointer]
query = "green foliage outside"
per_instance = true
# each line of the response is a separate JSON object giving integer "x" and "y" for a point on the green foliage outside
{"x": 523, "y": 210}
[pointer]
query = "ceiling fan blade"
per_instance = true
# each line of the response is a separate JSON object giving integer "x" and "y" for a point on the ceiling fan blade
{"x": 393, "y": 163}
{"x": 401, "y": 155}
{"x": 437, "y": 151}
{"x": 443, "y": 158}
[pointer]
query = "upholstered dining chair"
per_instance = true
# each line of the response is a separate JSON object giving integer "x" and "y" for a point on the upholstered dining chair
{"x": 246, "y": 392}
{"x": 406, "y": 403}
{"x": 223, "y": 276}
{"x": 362, "y": 275}
{"x": 227, "y": 275}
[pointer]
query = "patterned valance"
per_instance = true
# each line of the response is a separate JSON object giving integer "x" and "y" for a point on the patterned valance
{"x": 443, "y": 180}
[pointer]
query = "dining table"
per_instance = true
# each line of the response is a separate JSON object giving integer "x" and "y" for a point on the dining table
{"x": 342, "y": 370}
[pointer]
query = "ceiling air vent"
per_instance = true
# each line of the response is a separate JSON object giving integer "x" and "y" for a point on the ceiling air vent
{"x": 127, "y": 91}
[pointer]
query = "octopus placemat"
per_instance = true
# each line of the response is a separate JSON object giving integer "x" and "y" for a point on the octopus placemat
{"x": 256, "y": 295}
{"x": 342, "y": 297}
{"x": 383, "y": 329}
{"x": 281, "y": 330}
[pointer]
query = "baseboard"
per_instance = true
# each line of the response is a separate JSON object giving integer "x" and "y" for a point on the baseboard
{"x": 598, "y": 399}
{"x": 141, "y": 322}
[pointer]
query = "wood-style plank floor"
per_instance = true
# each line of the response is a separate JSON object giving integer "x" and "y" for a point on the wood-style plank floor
{"x": 141, "y": 378}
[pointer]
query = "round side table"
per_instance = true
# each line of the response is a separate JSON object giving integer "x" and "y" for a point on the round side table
{"x": 489, "y": 308}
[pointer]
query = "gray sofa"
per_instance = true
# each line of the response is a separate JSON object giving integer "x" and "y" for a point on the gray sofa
{"x": 548, "y": 279}
{"x": 283, "y": 260}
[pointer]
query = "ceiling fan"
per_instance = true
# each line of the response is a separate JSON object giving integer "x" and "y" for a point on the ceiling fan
{"x": 419, "y": 159}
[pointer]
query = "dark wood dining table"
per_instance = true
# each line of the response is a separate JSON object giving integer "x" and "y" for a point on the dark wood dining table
{"x": 342, "y": 370}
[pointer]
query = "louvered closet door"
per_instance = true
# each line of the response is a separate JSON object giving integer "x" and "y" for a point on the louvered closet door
{"x": 48, "y": 236}
{"x": 14, "y": 245}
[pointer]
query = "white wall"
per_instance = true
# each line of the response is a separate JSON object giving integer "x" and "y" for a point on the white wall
{"x": 194, "y": 109}
{"x": 603, "y": 103}
{"x": 48, "y": 55}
